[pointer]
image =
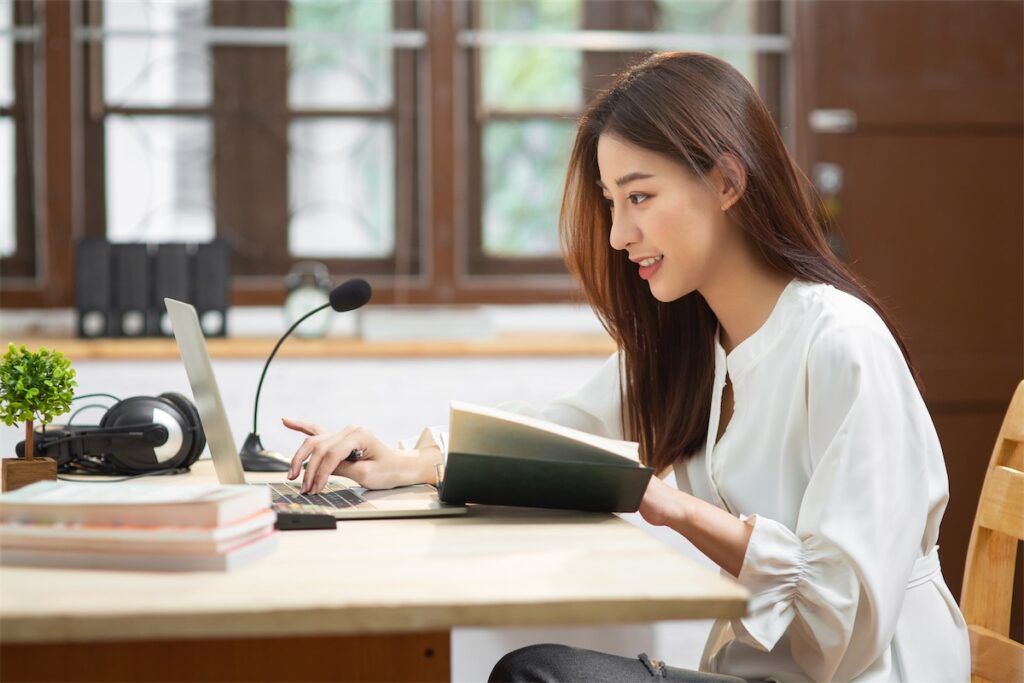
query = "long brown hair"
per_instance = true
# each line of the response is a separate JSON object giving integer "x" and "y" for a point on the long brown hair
{"x": 691, "y": 108}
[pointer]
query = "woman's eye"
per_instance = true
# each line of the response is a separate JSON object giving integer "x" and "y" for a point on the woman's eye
{"x": 638, "y": 198}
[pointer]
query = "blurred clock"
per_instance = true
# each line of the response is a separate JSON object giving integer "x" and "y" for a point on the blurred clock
{"x": 307, "y": 286}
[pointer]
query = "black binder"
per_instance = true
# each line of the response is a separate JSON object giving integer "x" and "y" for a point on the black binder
{"x": 131, "y": 289}
{"x": 212, "y": 277}
{"x": 92, "y": 288}
{"x": 171, "y": 278}
{"x": 120, "y": 288}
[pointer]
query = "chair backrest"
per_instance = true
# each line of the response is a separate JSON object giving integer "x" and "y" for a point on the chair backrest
{"x": 987, "y": 593}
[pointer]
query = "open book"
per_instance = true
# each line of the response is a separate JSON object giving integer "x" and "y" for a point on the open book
{"x": 501, "y": 458}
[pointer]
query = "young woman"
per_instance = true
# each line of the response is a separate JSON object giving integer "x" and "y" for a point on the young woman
{"x": 757, "y": 366}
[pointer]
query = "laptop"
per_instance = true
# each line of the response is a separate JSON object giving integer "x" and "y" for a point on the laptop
{"x": 342, "y": 502}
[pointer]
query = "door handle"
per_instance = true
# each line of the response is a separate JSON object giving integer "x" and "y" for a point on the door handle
{"x": 831, "y": 121}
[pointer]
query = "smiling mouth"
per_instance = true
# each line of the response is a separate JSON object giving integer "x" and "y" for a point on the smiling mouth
{"x": 648, "y": 267}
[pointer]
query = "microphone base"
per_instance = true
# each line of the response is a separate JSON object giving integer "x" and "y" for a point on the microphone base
{"x": 256, "y": 458}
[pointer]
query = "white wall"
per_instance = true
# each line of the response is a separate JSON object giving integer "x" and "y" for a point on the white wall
{"x": 396, "y": 398}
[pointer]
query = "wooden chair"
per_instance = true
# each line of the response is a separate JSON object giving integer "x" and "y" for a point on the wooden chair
{"x": 987, "y": 593}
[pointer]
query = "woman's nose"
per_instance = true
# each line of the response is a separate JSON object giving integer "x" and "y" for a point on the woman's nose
{"x": 623, "y": 232}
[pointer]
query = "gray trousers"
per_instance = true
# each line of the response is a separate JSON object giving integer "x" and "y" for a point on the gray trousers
{"x": 564, "y": 664}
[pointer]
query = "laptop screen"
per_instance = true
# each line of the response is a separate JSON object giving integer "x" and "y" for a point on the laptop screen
{"x": 192, "y": 347}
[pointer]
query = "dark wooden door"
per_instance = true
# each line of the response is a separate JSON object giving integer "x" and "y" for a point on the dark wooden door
{"x": 909, "y": 117}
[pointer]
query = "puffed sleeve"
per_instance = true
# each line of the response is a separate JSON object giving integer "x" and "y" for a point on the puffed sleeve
{"x": 593, "y": 407}
{"x": 836, "y": 583}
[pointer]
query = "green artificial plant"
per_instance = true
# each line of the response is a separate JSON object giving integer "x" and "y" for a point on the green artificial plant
{"x": 34, "y": 385}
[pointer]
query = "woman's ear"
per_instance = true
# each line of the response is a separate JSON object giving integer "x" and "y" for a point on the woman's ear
{"x": 733, "y": 179}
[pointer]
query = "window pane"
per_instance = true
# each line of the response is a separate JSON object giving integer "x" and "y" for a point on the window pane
{"x": 342, "y": 191}
{"x": 705, "y": 16}
{"x": 6, "y": 54}
{"x": 324, "y": 74}
{"x": 524, "y": 170}
{"x": 158, "y": 179}
{"x": 730, "y": 17}
{"x": 8, "y": 239}
{"x": 158, "y": 71}
{"x": 529, "y": 78}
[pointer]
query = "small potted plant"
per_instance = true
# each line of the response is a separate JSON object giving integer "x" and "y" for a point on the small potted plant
{"x": 33, "y": 386}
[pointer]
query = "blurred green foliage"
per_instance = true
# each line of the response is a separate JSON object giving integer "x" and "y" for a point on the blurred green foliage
{"x": 531, "y": 78}
{"x": 524, "y": 168}
{"x": 524, "y": 161}
{"x": 372, "y": 16}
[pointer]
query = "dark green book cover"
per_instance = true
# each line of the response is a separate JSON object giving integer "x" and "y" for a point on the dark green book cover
{"x": 500, "y": 458}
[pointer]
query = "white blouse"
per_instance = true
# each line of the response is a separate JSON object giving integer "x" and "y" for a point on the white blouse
{"x": 832, "y": 458}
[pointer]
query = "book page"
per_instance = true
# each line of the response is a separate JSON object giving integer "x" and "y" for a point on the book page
{"x": 489, "y": 431}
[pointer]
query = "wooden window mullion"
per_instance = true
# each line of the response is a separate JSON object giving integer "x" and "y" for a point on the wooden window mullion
{"x": 22, "y": 263}
{"x": 406, "y": 158}
{"x": 445, "y": 164}
{"x": 250, "y": 140}
{"x": 93, "y": 127}
{"x": 57, "y": 236}
{"x": 599, "y": 67}
{"x": 768, "y": 19}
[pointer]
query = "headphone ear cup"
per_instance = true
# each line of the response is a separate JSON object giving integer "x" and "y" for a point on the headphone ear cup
{"x": 195, "y": 425}
{"x": 148, "y": 410}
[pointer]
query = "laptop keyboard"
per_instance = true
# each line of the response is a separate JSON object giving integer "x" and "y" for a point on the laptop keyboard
{"x": 290, "y": 496}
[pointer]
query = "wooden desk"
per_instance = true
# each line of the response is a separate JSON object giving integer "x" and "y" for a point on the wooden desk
{"x": 539, "y": 345}
{"x": 372, "y": 600}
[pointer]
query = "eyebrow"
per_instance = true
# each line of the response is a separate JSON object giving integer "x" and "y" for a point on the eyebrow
{"x": 627, "y": 179}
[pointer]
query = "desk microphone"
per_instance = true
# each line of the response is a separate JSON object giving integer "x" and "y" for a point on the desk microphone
{"x": 348, "y": 296}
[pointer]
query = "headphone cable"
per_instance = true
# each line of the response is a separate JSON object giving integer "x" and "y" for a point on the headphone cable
{"x": 75, "y": 398}
{"x": 154, "y": 473}
{"x": 91, "y": 405}
{"x": 85, "y": 407}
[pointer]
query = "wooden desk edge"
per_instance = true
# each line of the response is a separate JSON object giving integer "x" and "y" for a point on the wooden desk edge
{"x": 358, "y": 621}
{"x": 366, "y": 658}
{"x": 560, "y": 345}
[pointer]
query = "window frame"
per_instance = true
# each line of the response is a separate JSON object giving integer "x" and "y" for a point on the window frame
{"x": 439, "y": 257}
{"x": 595, "y": 14}
{"x": 259, "y": 281}
{"x": 22, "y": 264}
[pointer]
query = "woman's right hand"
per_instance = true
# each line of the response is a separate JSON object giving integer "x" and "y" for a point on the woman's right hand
{"x": 379, "y": 467}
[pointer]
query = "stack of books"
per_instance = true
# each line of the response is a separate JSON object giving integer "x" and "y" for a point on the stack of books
{"x": 136, "y": 526}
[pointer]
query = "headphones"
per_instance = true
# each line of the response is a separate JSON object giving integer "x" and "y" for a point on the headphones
{"x": 138, "y": 435}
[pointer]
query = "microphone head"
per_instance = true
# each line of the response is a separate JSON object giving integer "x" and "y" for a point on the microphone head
{"x": 350, "y": 295}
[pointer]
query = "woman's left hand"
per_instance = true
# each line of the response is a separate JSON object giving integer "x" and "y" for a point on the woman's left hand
{"x": 662, "y": 504}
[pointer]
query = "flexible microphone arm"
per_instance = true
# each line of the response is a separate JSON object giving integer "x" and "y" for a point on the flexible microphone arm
{"x": 347, "y": 296}
{"x": 256, "y": 407}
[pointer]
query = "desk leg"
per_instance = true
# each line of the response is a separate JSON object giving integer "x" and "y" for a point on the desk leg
{"x": 385, "y": 657}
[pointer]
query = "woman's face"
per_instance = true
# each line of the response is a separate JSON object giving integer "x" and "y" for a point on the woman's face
{"x": 666, "y": 220}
